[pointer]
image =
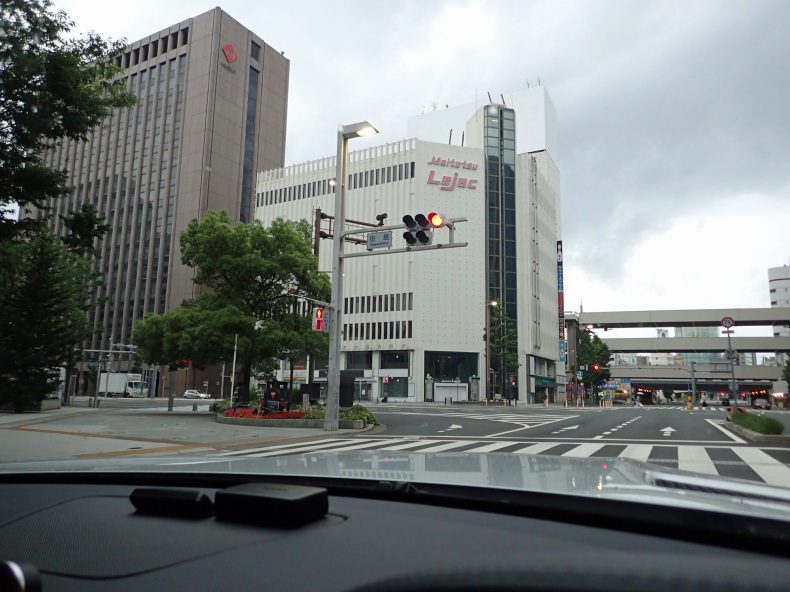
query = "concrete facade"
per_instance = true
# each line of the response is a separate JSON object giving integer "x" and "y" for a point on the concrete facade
{"x": 211, "y": 112}
{"x": 413, "y": 322}
{"x": 779, "y": 293}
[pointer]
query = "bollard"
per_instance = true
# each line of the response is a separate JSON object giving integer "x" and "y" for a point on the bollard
{"x": 194, "y": 407}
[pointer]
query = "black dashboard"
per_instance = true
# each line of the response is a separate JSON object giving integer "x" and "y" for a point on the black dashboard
{"x": 84, "y": 533}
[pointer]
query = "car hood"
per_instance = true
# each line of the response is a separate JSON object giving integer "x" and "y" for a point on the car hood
{"x": 607, "y": 478}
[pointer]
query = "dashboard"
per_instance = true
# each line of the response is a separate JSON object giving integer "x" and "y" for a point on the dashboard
{"x": 93, "y": 533}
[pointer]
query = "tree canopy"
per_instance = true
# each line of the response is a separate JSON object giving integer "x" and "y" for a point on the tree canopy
{"x": 43, "y": 295}
{"x": 504, "y": 347}
{"x": 52, "y": 86}
{"x": 254, "y": 278}
{"x": 593, "y": 351}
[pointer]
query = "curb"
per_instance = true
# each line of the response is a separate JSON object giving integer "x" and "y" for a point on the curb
{"x": 753, "y": 436}
{"x": 343, "y": 424}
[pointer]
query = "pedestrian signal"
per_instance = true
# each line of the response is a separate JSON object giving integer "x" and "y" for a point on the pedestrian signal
{"x": 320, "y": 320}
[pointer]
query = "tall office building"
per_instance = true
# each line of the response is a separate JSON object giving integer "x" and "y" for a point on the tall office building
{"x": 211, "y": 112}
{"x": 779, "y": 292}
{"x": 413, "y": 321}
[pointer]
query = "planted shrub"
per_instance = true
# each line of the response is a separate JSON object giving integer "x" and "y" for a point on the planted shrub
{"x": 758, "y": 423}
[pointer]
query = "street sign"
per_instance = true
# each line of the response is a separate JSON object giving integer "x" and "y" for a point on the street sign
{"x": 579, "y": 374}
{"x": 379, "y": 240}
{"x": 205, "y": 383}
{"x": 727, "y": 322}
{"x": 75, "y": 371}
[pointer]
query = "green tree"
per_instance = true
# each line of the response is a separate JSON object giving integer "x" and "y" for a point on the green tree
{"x": 504, "y": 349}
{"x": 254, "y": 276}
{"x": 51, "y": 87}
{"x": 43, "y": 296}
{"x": 592, "y": 351}
{"x": 786, "y": 372}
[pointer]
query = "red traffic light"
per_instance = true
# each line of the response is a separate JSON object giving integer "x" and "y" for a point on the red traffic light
{"x": 596, "y": 367}
{"x": 436, "y": 220}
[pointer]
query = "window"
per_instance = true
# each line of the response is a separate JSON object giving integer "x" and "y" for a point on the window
{"x": 396, "y": 359}
{"x": 359, "y": 360}
{"x": 184, "y": 36}
{"x": 255, "y": 51}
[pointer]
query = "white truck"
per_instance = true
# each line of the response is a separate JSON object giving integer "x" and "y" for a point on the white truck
{"x": 122, "y": 384}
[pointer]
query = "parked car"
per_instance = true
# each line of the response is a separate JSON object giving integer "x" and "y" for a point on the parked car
{"x": 761, "y": 404}
{"x": 195, "y": 394}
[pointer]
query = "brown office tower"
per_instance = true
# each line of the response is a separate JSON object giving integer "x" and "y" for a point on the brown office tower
{"x": 211, "y": 112}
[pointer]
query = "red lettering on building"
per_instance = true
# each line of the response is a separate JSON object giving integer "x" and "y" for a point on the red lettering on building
{"x": 449, "y": 183}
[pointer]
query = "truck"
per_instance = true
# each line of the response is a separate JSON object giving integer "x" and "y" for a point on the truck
{"x": 122, "y": 384}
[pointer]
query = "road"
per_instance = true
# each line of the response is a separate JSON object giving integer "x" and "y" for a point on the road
{"x": 667, "y": 436}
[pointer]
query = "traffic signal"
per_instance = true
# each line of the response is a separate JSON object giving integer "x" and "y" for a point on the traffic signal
{"x": 319, "y": 320}
{"x": 438, "y": 220}
{"x": 419, "y": 231}
{"x": 596, "y": 367}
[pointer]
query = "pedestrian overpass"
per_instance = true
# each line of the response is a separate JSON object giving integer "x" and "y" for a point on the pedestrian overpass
{"x": 708, "y": 376}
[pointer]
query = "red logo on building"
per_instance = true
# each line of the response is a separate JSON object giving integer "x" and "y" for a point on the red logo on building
{"x": 230, "y": 53}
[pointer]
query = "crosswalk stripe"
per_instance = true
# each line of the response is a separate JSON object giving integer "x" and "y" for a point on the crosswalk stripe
{"x": 536, "y": 448}
{"x": 448, "y": 446}
{"x": 768, "y": 468}
{"x": 404, "y": 445}
{"x": 490, "y": 447}
{"x": 278, "y": 447}
{"x": 584, "y": 450}
{"x": 696, "y": 459}
{"x": 311, "y": 448}
{"x": 638, "y": 452}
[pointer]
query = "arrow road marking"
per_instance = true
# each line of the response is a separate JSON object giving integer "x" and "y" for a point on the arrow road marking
{"x": 564, "y": 429}
{"x": 452, "y": 427}
{"x": 668, "y": 431}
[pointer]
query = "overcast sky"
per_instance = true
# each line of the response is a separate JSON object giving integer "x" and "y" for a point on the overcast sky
{"x": 673, "y": 117}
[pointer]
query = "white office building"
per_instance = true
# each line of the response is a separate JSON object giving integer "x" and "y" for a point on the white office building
{"x": 413, "y": 322}
{"x": 779, "y": 291}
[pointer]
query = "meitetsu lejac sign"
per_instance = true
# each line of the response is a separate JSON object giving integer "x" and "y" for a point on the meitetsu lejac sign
{"x": 448, "y": 183}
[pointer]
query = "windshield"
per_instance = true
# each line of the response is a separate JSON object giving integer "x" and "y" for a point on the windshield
{"x": 510, "y": 245}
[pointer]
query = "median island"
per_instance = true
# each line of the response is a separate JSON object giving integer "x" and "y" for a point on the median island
{"x": 356, "y": 417}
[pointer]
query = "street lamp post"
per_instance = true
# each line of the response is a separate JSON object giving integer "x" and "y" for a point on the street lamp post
{"x": 344, "y": 133}
{"x": 489, "y": 304}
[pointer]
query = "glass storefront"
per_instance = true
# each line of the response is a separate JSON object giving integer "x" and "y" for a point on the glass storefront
{"x": 444, "y": 366}
{"x": 395, "y": 386}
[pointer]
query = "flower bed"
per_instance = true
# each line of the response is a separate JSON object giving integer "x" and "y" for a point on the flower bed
{"x": 255, "y": 413}
{"x": 349, "y": 417}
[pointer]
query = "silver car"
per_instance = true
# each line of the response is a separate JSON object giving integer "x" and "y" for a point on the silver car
{"x": 195, "y": 394}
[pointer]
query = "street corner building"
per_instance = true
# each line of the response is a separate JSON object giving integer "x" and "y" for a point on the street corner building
{"x": 413, "y": 322}
{"x": 211, "y": 112}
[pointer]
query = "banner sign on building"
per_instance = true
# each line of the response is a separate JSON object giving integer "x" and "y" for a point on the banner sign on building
{"x": 560, "y": 300}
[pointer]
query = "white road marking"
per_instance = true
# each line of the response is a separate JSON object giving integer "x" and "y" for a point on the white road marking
{"x": 316, "y": 443}
{"x": 536, "y": 448}
{"x": 447, "y": 446}
{"x": 638, "y": 452}
{"x": 584, "y": 450}
{"x": 695, "y": 459}
{"x": 490, "y": 447}
{"x": 717, "y": 424}
{"x": 309, "y": 448}
{"x": 768, "y": 468}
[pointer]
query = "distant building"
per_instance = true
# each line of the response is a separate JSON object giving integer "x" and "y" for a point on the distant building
{"x": 697, "y": 357}
{"x": 779, "y": 292}
{"x": 211, "y": 112}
